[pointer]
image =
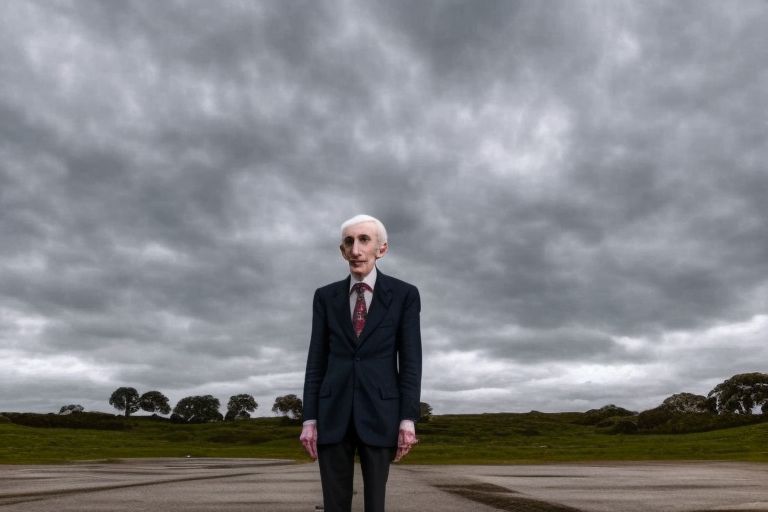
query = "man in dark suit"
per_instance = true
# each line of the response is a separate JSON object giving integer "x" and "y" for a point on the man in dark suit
{"x": 363, "y": 378}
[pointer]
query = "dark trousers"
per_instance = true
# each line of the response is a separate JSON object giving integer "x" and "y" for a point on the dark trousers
{"x": 337, "y": 465}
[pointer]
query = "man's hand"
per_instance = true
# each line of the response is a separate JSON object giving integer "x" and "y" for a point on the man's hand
{"x": 405, "y": 441}
{"x": 308, "y": 438}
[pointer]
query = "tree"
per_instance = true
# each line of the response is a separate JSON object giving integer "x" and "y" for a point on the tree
{"x": 742, "y": 393}
{"x": 689, "y": 403}
{"x": 240, "y": 406}
{"x": 198, "y": 409}
{"x": 71, "y": 409}
{"x": 154, "y": 401}
{"x": 289, "y": 405}
{"x": 425, "y": 412}
{"x": 125, "y": 399}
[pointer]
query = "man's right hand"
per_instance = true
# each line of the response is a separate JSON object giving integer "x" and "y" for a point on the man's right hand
{"x": 309, "y": 439}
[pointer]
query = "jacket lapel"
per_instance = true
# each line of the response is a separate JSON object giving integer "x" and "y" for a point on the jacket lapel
{"x": 342, "y": 310}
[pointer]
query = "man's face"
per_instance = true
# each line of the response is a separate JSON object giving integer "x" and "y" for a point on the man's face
{"x": 361, "y": 248}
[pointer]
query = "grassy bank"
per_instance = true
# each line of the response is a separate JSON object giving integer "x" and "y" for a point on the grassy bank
{"x": 263, "y": 437}
{"x": 539, "y": 437}
{"x": 448, "y": 439}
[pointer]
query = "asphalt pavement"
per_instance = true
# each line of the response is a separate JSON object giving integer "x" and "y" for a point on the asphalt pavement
{"x": 207, "y": 485}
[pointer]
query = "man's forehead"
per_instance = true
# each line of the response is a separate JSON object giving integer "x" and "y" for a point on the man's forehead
{"x": 361, "y": 228}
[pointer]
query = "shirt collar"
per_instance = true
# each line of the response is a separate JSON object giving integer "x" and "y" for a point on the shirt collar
{"x": 370, "y": 280}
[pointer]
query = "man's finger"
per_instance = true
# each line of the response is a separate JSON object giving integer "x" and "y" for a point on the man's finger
{"x": 400, "y": 442}
{"x": 311, "y": 446}
{"x": 308, "y": 439}
{"x": 401, "y": 452}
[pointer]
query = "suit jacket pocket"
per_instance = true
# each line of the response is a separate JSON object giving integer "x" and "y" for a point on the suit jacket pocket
{"x": 389, "y": 393}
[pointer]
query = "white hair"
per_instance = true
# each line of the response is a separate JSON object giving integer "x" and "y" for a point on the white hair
{"x": 381, "y": 231}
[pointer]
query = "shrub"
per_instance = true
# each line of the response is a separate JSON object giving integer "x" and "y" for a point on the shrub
{"x": 83, "y": 420}
{"x": 654, "y": 418}
{"x": 623, "y": 426}
{"x": 153, "y": 417}
{"x": 71, "y": 409}
{"x": 595, "y": 416}
{"x": 688, "y": 402}
{"x": 285, "y": 420}
{"x": 239, "y": 438}
{"x": 618, "y": 425}
{"x": 663, "y": 421}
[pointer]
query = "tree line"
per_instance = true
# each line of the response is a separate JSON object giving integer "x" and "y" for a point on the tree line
{"x": 734, "y": 402}
{"x": 197, "y": 409}
{"x": 203, "y": 409}
{"x": 739, "y": 396}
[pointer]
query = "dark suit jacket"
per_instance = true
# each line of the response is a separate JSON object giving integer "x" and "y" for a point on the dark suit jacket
{"x": 374, "y": 380}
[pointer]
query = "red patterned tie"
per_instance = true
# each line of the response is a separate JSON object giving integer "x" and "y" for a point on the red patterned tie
{"x": 360, "y": 312}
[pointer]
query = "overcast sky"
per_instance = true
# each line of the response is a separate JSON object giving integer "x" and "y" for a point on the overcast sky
{"x": 578, "y": 189}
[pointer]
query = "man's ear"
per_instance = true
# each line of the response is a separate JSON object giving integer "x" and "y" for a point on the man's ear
{"x": 343, "y": 254}
{"x": 382, "y": 250}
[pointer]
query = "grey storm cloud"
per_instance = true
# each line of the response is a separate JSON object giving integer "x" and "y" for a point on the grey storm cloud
{"x": 577, "y": 189}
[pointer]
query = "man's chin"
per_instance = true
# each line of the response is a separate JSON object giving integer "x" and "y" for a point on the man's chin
{"x": 359, "y": 270}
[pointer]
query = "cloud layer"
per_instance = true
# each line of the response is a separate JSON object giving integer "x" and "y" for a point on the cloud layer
{"x": 577, "y": 188}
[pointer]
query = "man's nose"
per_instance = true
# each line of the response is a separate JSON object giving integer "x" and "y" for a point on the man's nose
{"x": 355, "y": 247}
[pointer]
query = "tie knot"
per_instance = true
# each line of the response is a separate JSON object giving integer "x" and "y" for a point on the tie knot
{"x": 359, "y": 288}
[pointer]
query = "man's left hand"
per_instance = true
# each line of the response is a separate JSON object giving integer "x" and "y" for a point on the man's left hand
{"x": 405, "y": 441}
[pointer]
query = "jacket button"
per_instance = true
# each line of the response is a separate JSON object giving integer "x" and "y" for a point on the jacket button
{"x": 357, "y": 359}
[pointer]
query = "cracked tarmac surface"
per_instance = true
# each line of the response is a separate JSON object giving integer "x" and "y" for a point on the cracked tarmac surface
{"x": 206, "y": 485}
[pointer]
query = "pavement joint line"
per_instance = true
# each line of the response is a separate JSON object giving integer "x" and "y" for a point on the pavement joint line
{"x": 39, "y": 495}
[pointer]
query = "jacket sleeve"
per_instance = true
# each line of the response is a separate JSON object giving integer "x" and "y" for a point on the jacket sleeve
{"x": 409, "y": 356}
{"x": 317, "y": 358}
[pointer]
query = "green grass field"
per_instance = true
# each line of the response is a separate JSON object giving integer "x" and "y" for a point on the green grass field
{"x": 540, "y": 437}
{"x": 449, "y": 439}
